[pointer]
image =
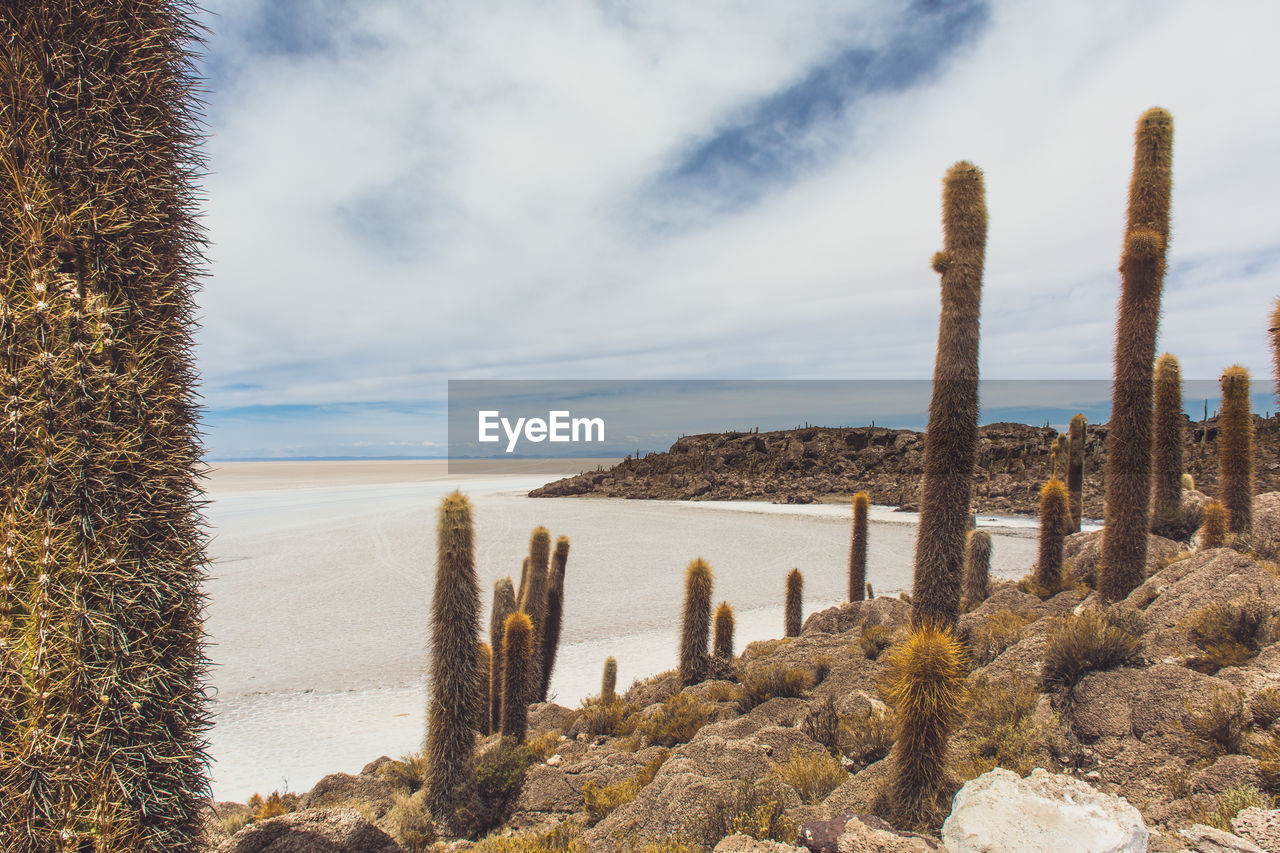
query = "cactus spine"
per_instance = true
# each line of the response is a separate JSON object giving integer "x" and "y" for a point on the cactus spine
{"x": 951, "y": 436}
{"x": 977, "y": 567}
{"x": 1167, "y": 429}
{"x": 858, "y": 547}
{"x": 1075, "y": 470}
{"x": 609, "y": 681}
{"x": 1142, "y": 267}
{"x": 1055, "y": 523}
{"x": 1235, "y": 450}
{"x": 517, "y": 654}
{"x": 504, "y": 604}
{"x": 534, "y": 602}
{"x": 455, "y": 628}
{"x": 926, "y": 686}
{"x": 102, "y": 659}
{"x": 550, "y": 642}
{"x": 724, "y": 631}
{"x": 1213, "y": 533}
{"x": 795, "y": 603}
{"x": 695, "y": 631}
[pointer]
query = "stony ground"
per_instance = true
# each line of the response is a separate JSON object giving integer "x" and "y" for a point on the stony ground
{"x": 791, "y": 738}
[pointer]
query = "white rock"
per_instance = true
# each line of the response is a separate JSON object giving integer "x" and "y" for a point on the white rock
{"x": 1206, "y": 839}
{"x": 1045, "y": 813}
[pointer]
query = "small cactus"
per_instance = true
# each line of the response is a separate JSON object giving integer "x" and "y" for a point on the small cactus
{"x": 1058, "y": 463}
{"x": 550, "y": 642}
{"x": 951, "y": 437}
{"x": 696, "y": 623}
{"x": 724, "y": 631}
{"x": 1055, "y": 523}
{"x": 455, "y": 628}
{"x": 1142, "y": 267}
{"x": 1217, "y": 522}
{"x": 926, "y": 687}
{"x": 1235, "y": 450}
{"x": 858, "y": 546}
{"x": 517, "y": 648}
{"x": 977, "y": 567}
{"x": 870, "y": 592}
{"x": 1167, "y": 429}
{"x": 609, "y": 680}
{"x": 504, "y": 604}
{"x": 1075, "y": 469}
{"x": 795, "y": 603}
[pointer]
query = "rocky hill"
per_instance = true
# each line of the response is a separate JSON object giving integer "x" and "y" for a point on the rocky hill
{"x": 829, "y": 463}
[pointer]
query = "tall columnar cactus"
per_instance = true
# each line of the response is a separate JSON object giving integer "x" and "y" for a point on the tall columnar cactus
{"x": 1274, "y": 330}
{"x": 517, "y": 654}
{"x": 858, "y": 547}
{"x": 926, "y": 686}
{"x": 1235, "y": 449}
{"x": 550, "y": 641}
{"x": 1055, "y": 524}
{"x": 723, "y": 645}
{"x": 504, "y": 604}
{"x": 455, "y": 630}
{"x": 1217, "y": 523}
{"x": 609, "y": 680}
{"x": 1075, "y": 470}
{"x": 952, "y": 434}
{"x": 977, "y": 567}
{"x": 1168, "y": 438}
{"x": 484, "y": 675}
{"x": 102, "y": 660}
{"x": 534, "y": 601}
{"x": 695, "y": 632}
{"x": 1142, "y": 267}
{"x": 1058, "y": 466}
{"x": 794, "y": 611}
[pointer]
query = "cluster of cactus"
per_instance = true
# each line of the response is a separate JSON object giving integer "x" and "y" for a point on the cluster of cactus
{"x": 1142, "y": 268}
{"x": 952, "y": 433}
{"x": 102, "y": 657}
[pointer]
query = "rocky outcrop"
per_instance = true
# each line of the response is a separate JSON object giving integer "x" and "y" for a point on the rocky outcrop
{"x": 815, "y": 463}
{"x": 312, "y": 831}
{"x": 1053, "y": 814}
{"x": 1260, "y": 826}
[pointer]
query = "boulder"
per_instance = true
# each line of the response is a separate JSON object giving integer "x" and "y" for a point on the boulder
{"x": 548, "y": 716}
{"x": 1124, "y": 702}
{"x": 1266, "y": 516}
{"x": 854, "y": 833}
{"x": 1206, "y": 839}
{"x": 1081, "y": 551}
{"x": 1261, "y": 826}
{"x": 853, "y": 615}
{"x": 344, "y": 791}
{"x": 1229, "y": 771}
{"x": 1054, "y": 813}
{"x": 739, "y": 843}
{"x": 312, "y": 831}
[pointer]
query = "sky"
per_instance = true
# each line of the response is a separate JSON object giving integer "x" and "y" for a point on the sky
{"x": 403, "y": 193}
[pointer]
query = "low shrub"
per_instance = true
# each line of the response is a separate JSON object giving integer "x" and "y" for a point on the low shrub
{"x": 1001, "y": 729}
{"x": 874, "y": 640}
{"x": 561, "y": 838}
{"x": 597, "y": 717}
{"x": 543, "y": 745}
{"x": 1078, "y": 645}
{"x": 275, "y": 804}
{"x": 754, "y": 810}
{"x": 410, "y": 822}
{"x": 1230, "y": 803}
{"x": 1220, "y": 724}
{"x": 867, "y": 737}
{"x": 602, "y": 800}
{"x": 677, "y": 721}
{"x": 500, "y": 775}
{"x": 1229, "y": 633}
{"x": 822, "y": 724}
{"x": 768, "y": 682}
{"x": 813, "y": 775}
{"x": 989, "y": 639}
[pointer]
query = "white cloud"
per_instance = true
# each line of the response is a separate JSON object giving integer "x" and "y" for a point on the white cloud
{"x": 458, "y": 190}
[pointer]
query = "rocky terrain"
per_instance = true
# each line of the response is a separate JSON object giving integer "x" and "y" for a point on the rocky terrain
{"x": 826, "y": 463}
{"x": 1153, "y": 725}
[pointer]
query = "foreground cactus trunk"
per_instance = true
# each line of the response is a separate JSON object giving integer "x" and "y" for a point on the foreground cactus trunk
{"x": 102, "y": 663}
{"x": 952, "y": 435}
{"x": 1142, "y": 266}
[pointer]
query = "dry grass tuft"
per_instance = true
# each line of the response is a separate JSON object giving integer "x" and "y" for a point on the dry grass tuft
{"x": 1229, "y": 633}
{"x": 1230, "y": 803}
{"x": 768, "y": 682}
{"x": 677, "y": 721}
{"x": 813, "y": 775}
{"x": 602, "y": 800}
{"x": 868, "y": 737}
{"x": 874, "y": 640}
{"x": 1220, "y": 724}
{"x": 1078, "y": 645}
{"x": 754, "y": 810}
{"x": 989, "y": 640}
{"x": 561, "y": 838}
{"x": 1001, "y": 729}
